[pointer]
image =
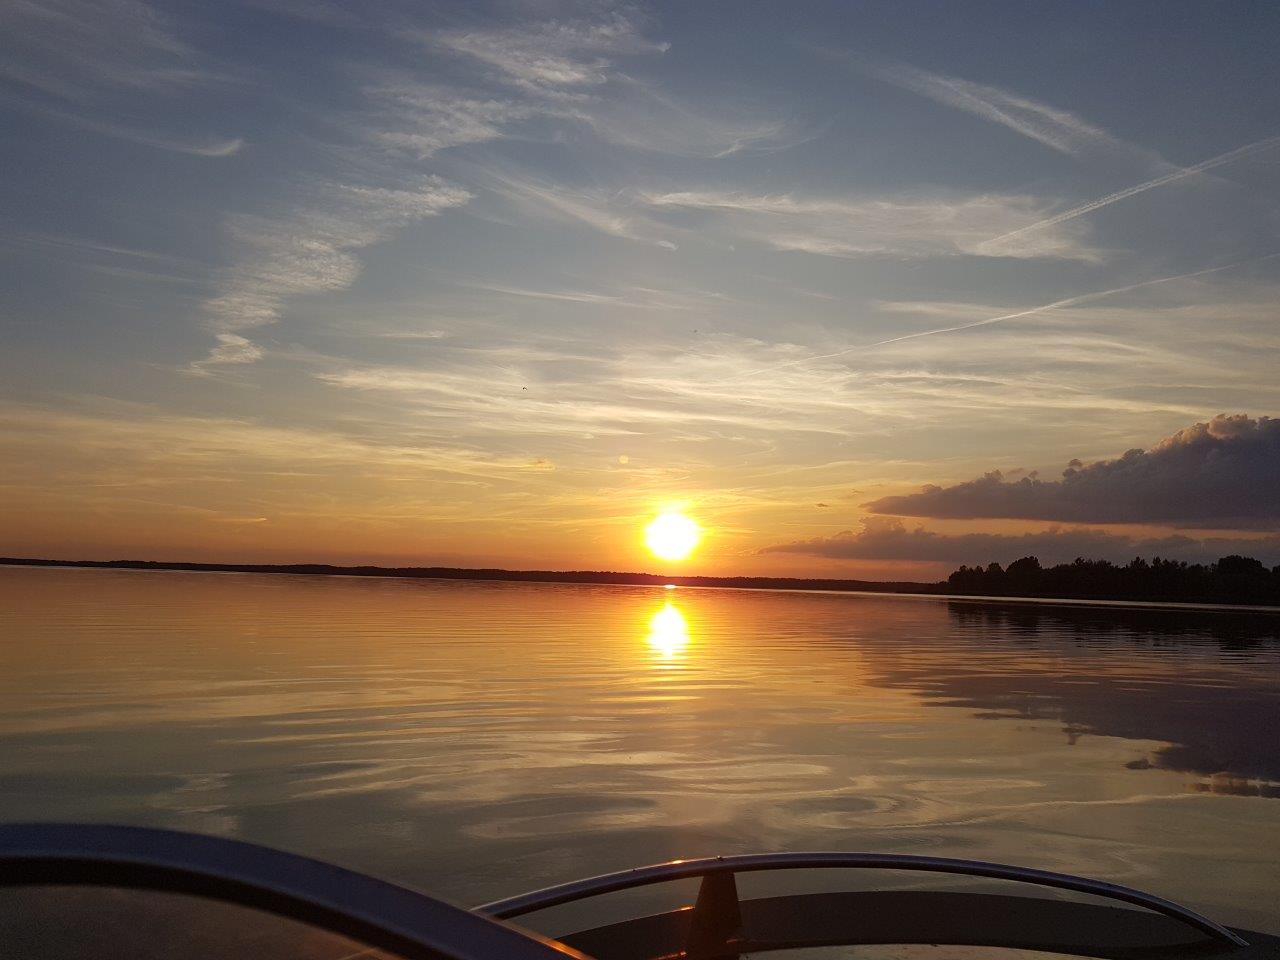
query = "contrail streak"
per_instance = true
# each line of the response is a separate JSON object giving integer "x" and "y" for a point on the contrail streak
{"x": 1068, "y": 302}
{"x": 1029, "y": 312}
{"x": 1218, "y": 161}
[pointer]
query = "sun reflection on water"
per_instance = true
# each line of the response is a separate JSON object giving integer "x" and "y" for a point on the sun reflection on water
{"x": 668, "y": 631}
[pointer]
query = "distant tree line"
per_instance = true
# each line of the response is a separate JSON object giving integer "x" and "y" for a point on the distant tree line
{"x": 1233, "y": 579}
{"x": 524, "y": 576}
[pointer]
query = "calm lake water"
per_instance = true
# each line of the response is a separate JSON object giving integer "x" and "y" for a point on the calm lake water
{"x": 479, "y": 739}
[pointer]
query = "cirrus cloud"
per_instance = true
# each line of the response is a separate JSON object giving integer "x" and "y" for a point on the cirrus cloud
{"x": 311, "y": 250}
{"x": 917, "y": 225}
{"x": 552, "y": 55}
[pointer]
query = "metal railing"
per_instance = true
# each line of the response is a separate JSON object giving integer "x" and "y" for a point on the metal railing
{"x": 376, "y": 913}
{"x": 418, "y": 927}
{"x": 722, "y": 866}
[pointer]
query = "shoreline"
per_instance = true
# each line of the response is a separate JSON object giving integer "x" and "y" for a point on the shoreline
{"x": 617, "y": 578}
{"x": 604, "y": 577}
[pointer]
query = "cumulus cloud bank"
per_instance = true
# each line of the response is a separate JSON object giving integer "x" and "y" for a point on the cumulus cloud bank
{"x": 884, "y": 538}
{"x": 1223, "y": 473}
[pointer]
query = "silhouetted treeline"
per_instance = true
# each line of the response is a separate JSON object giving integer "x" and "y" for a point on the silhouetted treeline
{"x": 1233, "y": 579}
{"x": 465, "y": 573}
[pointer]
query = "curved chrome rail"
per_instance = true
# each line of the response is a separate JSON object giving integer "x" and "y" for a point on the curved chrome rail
{"x": 376, "y": 913}
{"x": 714, "y": 866}
{"x": 720, "y": 925}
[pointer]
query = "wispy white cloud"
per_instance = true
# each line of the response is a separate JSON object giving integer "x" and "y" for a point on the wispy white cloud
{"x": 80, "y": 247}
{"x": 424, "y": 119}
{"x": 312, "y": 249}
{"x": 226, "y": 445}
{"x": 564, "y": 296}
{"x": 516, "y": 393}
{"x": 231, "y": 348}
{"x": 113, "y": 260}
{"x": 1076, "y": 366}
{"x": 1163, "y": 352}
{"x": 595, "y": 208}
{"x": 631, "y": 296}
{"x": 638, "y": 116}
{"x": 945, "y": 309}
{"x": 74, "y": 48}
{"x": 1070, "y": 301}
{"x": 553, "y": 56}
{"x": 1154, "y": 357}
{"x": 1057, "y": 129}
{"x": 610, "y": 212}
{"x": 743, "y": 397}
{"x": 914, "y": 226}
{"x": 566, "y": 70}
{"x": 197, "y": 147}
{"x": 745, "y": 394}
{"x": 83, "y": 54}
{"x": 574, "y": 390}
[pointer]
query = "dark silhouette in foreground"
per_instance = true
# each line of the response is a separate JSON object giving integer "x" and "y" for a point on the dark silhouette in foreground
{"x": 1233, "y": 579}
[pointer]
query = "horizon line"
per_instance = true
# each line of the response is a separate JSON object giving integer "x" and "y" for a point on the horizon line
{"x": 640, "y": 578}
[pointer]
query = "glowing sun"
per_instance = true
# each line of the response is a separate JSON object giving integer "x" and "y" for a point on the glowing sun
{"x": 672, "y": 535}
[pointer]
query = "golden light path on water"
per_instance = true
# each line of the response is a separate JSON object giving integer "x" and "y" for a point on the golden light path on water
{"x": 668, "y": 631}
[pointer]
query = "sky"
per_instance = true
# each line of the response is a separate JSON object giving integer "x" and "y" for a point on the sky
{"x": 867, "y": 289}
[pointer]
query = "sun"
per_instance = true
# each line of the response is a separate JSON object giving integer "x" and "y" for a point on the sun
{"x": 672, "y": 536}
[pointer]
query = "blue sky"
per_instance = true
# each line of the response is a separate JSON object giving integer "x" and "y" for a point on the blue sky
{"x": 481, "y": 284}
